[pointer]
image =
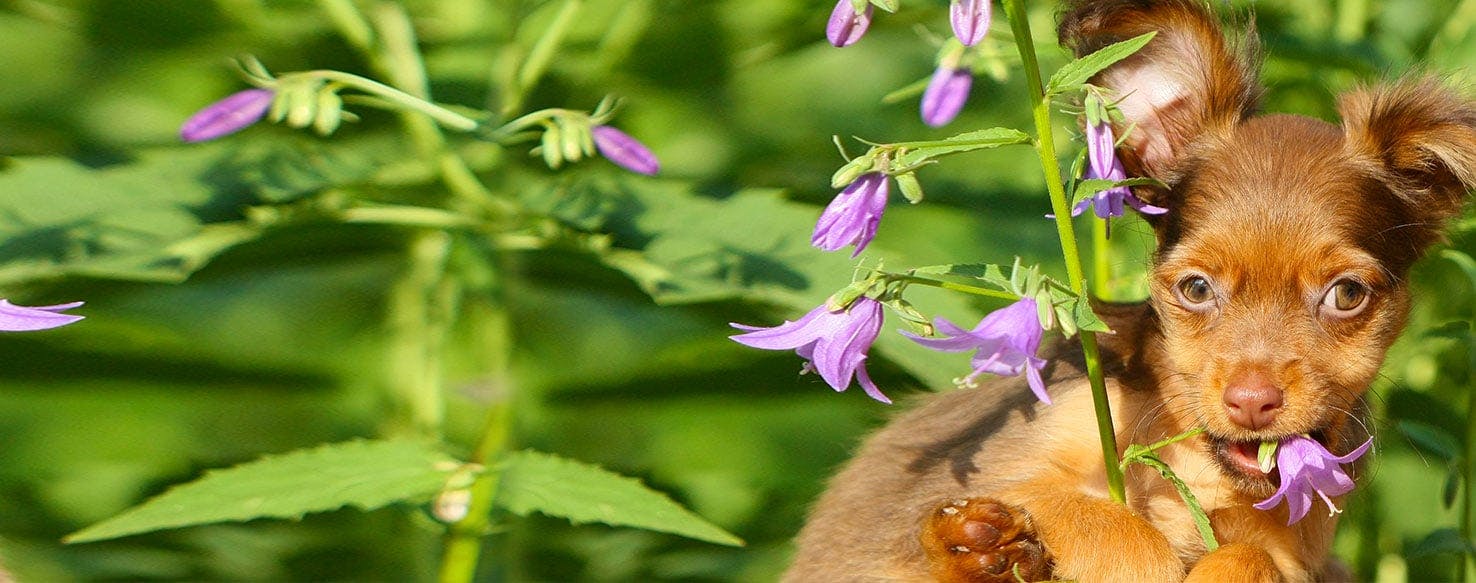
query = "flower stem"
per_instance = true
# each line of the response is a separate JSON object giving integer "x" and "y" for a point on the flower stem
{"x": 1045, "y": 147}
{"x": 1468, "y": 510}
{"x": 959, "y": 287}
{"x": 464, "y": 537}
{"x": 1101, "y": 260}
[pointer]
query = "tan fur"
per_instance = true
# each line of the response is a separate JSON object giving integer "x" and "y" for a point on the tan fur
{"x": 1274, "y": 210}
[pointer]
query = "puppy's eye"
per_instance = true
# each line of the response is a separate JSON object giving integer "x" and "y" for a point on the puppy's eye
{"x": 1196, "y": 293}
{"x": 1345, "y": 298}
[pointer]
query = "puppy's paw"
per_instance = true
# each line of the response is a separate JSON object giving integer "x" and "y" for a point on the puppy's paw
{"x": 982, "y": 540}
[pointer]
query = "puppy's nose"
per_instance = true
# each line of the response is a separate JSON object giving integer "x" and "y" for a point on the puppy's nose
{"x": 1252, "y": 401}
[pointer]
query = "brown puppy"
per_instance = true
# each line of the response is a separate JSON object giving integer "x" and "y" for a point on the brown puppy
{"x": 1277, "y": 286}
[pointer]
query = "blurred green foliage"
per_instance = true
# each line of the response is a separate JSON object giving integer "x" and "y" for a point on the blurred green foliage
{"x": 280, "y": 342}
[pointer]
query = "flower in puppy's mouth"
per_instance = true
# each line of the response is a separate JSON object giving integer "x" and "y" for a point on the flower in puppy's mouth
{"x": 1306, "y": 468}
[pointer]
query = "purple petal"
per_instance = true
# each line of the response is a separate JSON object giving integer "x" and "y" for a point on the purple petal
{"x": 786, "y": 336}
{"x": 868, "y": 386}
{"x": 625, "y": 151}
{"x": 945, "y": 96}
{"x": 227, "y": 116}
{"x": 1352, "y": 455}
{"x": 852, "y": 218}
{"x": 846, "y": 26}
{"x": 15, "y": 318}
{"x": 970, "y": 20}
{"x": 1101, "y": 151}
{"x": 1037, "y": 384}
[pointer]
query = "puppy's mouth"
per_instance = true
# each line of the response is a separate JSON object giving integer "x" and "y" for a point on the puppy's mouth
{"x": 1240, "y": 460}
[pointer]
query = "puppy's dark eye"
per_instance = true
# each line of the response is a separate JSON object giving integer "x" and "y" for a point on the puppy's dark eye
{"x": 1196, "y": 293}
{"x": 1345, "y": 298}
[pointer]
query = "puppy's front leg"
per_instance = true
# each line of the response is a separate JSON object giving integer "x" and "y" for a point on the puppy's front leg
{"x": 1095, "y": 539}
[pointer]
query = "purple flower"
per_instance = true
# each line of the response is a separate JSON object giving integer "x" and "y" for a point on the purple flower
{"x": 1305, "y": 470}
{"x": 1103, "y": 164}
{"x": 227, "y": 116}
{"x": 970, "y": 20}
{"x": 1006, "y": 341}
{"x": 625, "y": 151}
{"x": 833, "y": 343}
{"x": 846, "y": 26}
{"x": 945, "y": 95}
{"x": 15, "y": 318}
{"x": 851, "y": 218}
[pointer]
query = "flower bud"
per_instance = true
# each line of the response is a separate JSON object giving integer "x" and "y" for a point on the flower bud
{"x": 625, "y": 151}
{"x": 946, "y": 94}
{"x": 970, "y": 20}
{"x": 846, "y": 25}
{"x": 227, "y": 116}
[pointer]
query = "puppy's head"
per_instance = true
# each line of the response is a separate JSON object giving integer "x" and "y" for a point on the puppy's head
{"x": 1279, "y": 279}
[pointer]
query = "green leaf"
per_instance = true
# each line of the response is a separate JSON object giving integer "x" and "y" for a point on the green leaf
{"x": 1074, "y": 74}
{"x": 1442, "y": 541}
{"x": 146, "y": 219}
{"x": 1086, "y": 319}
{"x": 1090, "y": 186}
{"x": 363, "y": 474}
{"x": 1451, "y": 486}
{"x": 1201, "y": 519}
{"x": 539, "y": 482}
{"x": 1432, "y": 439}
{"x": 919, "y": 152}
{"x": 1459, "y": 330}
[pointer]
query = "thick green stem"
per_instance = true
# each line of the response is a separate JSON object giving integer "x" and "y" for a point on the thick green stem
{"x": 1101, "y": 260}
{"x": 464, "y": 537}
{"x": 1045, "y": 147}
{"x": 419, "y": 321}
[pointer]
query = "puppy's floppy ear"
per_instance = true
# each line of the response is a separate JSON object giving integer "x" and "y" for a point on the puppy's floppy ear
{"x": 1418, "y": 138}
{"x": 1187, "y": 82}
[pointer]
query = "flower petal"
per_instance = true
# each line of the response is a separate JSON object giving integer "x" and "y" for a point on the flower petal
{"x": 970, "y": 20}
{"x": 15, "y": 318}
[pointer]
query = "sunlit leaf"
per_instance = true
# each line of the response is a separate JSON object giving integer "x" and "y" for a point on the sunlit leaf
{"x": 539, "y": 482}
{"x": 363, "y": 474}
{"x": 1075, "y": 73}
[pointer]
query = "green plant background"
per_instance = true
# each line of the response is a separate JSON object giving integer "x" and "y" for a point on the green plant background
{"x": 278, "y": 343}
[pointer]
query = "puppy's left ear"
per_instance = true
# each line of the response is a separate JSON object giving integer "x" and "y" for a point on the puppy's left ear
{"x": 1418, "y": 138}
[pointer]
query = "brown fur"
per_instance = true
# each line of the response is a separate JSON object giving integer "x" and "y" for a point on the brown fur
{"x": 1274, "y": 211}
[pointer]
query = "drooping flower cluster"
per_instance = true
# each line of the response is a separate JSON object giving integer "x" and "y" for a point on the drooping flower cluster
{"x": 1104, "y": 164}
{"x": 15, "y": 318}
{"x": 1308, "y": 468}
{"x": 833, "y": 342}
{"x": 1005, "y": 342}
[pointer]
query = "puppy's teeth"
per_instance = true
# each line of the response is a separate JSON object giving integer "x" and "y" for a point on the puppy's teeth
{"x": 1267, "y": 456}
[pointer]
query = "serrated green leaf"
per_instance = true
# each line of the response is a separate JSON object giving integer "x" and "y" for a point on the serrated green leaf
{"x": 132, "y": 220}
{"x": 965, "y": 142}
{"x": 539, "y": 482}
{"x": 1072, "y": 75}
{"x": 363, "y": 474}
{"x": 1087, "y": 320}
{"x": 1432, "y": 439}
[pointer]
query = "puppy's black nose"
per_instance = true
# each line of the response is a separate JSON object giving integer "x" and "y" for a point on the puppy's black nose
{"x": 1252, "y": 401}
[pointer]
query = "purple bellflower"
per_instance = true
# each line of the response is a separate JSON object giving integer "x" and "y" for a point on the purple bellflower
{"x": 625, "y": 151}
{"x": 227, "y": 116}
{"x": 846, "y": 26}
{"x": 15, "y": 318}
{"x": 1005, "y": 340}
{"x": 970, "y": 20}
{"x": 1103, "y": 164}
{"x": 833, "y": 343}
{"x": 946, "y": 94}
{"x": 852, "y": 218}
{"x": 1307, "y": 468}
